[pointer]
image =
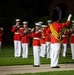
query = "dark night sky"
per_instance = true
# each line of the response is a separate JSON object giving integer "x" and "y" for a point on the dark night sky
{"x": 9, "y": 8}
{"x": 24, "y": 9}
{"x": 29, "y": 10}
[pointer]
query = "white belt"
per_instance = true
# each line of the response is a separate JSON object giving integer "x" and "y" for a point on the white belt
{"x": 16, "y": 33}
{"x": 64, "y": 36}
{"x": 37, "y": 38}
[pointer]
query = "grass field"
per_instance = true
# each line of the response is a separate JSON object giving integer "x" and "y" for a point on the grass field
{"x": 50, "y": 73}
{"x": 7, "y": 57}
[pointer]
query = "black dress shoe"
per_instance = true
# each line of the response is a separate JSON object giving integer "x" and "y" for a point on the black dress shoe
{"x": 56, "y": 67}
{"x": 36, "y": 65}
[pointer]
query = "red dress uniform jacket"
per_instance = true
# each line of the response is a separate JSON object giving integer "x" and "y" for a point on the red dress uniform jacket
{"x": 47, "y": 34}
{"x": 64, "y": 38}
{"x": 72, "y": 38}
{"x": 21, "y": 29}
{"x": 1, "y": 34}
{"x": 42, "y": 41}
{"x": 25, "y": 38}
{"x": 57, "y": 26}
{"x": 36, "y": 38}
{"x": 16, "y": 32}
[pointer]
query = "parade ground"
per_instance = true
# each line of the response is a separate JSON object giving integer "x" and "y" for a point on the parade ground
{"x": 6, "y": 70}
{"x": 37, "y": 37}
{"x": 11, "y": 65}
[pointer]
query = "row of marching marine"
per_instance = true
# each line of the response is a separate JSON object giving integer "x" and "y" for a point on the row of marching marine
{"x": 22, "y": 35}
{"x": 46, "y": 38}
{"x": 1, "y": 35}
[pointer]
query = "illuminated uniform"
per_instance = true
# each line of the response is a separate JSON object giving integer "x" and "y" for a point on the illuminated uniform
{"x": 36, "y": 46}
{"x": 72, "y": 44}
{"x": 25, "y": 40}
{"x": 55, "y": 35}
{"x": 72, "y": 40}
{"x": 17, "y": 39}
{"x": 1, "y": 34}
{"x": 55, "y": 44}
{"x": 43, "y": 47}
{"x": 64, "y": 43}
{"x": 47, "y": 40}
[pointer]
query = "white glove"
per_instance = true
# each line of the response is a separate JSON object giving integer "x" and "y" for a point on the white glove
{"x": 69, "y": 17}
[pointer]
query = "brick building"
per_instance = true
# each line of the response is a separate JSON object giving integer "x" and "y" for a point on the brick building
{"x": 66, "y": 5}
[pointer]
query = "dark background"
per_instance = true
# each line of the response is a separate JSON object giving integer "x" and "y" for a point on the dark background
{"x": 28, "y": 10}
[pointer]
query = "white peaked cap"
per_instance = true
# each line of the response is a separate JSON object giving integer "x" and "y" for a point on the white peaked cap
{"x": 72, "y": 21}
{"x": 37, "y": 24}
{"x": 40, "y": 22}
{"x": 44, "y": 25}
{"x": 25, "y": 22}
{"x": 17, "y": 20}
{"x": 49, "y": 21}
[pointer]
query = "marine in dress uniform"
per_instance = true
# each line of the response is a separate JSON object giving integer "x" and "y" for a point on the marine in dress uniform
{"x": 17, "y": 38}
{"x": 42, "y": 42}
{"x": 36, "y": 44}
{"x": 64, "y": 42}
{"x": 47, "y": 40}
{"x": 72, "y": 39}
{"x": 1, "y": 34}
{"x": 25, "y": 39}
{"x": 55, "y": 42}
